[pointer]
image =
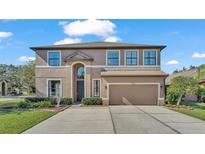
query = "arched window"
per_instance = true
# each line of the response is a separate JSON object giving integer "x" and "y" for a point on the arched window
{"x": 80, "y": 72}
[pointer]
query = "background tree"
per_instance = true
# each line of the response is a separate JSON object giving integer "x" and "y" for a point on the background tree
{"x": 29, "y": 77}
{"x": 21, "y": 78}
{"x": 184, "y": 69}
{"x": 192, "y": 67}
{"x": 182, "y": 86}
{"x": 200, "y": 72}
{"x": 176, "y": 71}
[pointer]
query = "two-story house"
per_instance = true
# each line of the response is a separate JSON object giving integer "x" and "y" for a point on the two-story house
{"x": 120, "y": 73}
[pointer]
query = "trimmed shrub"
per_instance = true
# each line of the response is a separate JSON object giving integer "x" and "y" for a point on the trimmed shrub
{"x": 66, "y": 101}
{"x": 24, "y": 105}
{"x": 45, "y": 104}
{"x": 53, "y": 101}
{"x": 63, "y": 101}
{"x": 92, "y": 101}
{"x": 35, "y": 105}
{"x": 37, "y": 99}
{"x": 42, "y": 104}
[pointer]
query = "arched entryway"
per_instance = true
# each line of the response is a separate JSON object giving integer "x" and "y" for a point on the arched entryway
{"x": 78, "y": 81}
{"x": 3, "y": 88}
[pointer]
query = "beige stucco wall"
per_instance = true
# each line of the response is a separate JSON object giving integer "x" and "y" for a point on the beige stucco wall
{"x": 99, "y": 56}
{"x": 64, "y": 73}
{"x": 44, "y": 74}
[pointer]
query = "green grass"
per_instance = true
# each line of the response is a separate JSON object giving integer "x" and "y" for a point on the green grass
{"x": 14, "y": 122}
{"x": 197, "y": 112}
{"x": 9, "y": 103}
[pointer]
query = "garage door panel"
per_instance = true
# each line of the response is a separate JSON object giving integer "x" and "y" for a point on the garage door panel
{"x": 133, "y": 94}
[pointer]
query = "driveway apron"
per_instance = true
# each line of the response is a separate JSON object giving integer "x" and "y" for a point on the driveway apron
{"x": 120, "y": 120}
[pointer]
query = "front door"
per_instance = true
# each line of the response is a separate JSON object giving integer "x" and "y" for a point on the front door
{"x": 80, "y": 89}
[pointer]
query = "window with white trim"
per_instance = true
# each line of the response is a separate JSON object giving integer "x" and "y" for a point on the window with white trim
{"x": 131, "y": 57}
{"x": 53, "y": 88}
{"x": 96, "y": 88}
{"x": 54, "y": 58}
{"x": 113, "y": 57}
{"x": 150, "y": 57}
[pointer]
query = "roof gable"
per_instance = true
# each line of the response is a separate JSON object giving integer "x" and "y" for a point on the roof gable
{"x": 188, "y": 73}
{"x": 78, "y": 55}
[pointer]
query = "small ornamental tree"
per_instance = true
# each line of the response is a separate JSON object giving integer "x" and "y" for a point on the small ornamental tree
{"x": 171, "y": 96}
{"x": 182, "y": 86}
{"x": 200, "y": 93}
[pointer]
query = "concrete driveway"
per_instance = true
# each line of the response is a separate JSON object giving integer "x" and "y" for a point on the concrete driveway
{"x": 119, "y": 120}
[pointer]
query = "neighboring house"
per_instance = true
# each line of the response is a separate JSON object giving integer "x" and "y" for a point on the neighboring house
{"x": 202, "y": 82}
{"x": 3, "y": 86}
{"x": 187, "y": 73}
{"x": 120, "y": 73}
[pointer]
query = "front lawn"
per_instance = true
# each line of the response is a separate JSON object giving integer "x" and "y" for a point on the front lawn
{"x": 197, "y": 112}
{"x": 14, "y": 122}
{"x": 9, "y": 103}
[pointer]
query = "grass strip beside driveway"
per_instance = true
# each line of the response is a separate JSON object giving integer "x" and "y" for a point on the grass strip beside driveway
{"x": 14, "y": 122}
{"x": 197, "y": 112}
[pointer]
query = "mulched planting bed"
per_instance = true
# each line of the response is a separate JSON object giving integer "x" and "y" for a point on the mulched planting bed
{"x": 58, "y": 109}
{"x": 178, "y": 107}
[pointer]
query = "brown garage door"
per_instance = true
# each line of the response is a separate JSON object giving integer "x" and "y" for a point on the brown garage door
{"x": 133, "y": 94}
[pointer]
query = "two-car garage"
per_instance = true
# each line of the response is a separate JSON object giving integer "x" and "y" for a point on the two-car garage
{"x": 133, "y": 87}
{"x": 133, "y": 94}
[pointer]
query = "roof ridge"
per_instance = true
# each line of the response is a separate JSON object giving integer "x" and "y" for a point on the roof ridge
{"x": 99, "y": 44}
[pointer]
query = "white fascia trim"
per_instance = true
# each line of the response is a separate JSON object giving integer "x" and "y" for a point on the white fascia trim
{"x": 54, "y": 79}
{"x": 48, "y": 51}
{"x": 107, "y": 57}
{"x": 85, "y": 87}
{"x": 132, "y": 83}
{"x": 156, "y": 57}
{"x": 93, "y": 86}
{"x": 123, "y": 66}
{"x": 99, "y": 66}
{"x": 56, "y": 67}
{"x": 125, "y": 60}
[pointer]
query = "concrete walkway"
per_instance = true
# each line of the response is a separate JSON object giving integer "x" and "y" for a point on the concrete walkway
{"x": 120, "y": 120}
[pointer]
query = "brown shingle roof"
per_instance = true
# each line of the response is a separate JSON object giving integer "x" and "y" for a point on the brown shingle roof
{"x": 94, "y": 45}
{"x": 189, "y": 73}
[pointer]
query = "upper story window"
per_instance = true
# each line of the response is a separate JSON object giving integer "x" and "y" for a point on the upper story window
{"x": 150, "y": 57}
{"x": 113, "y": 57}
{"x": 131, "y": 57}
{"x": 54, "y": 58}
